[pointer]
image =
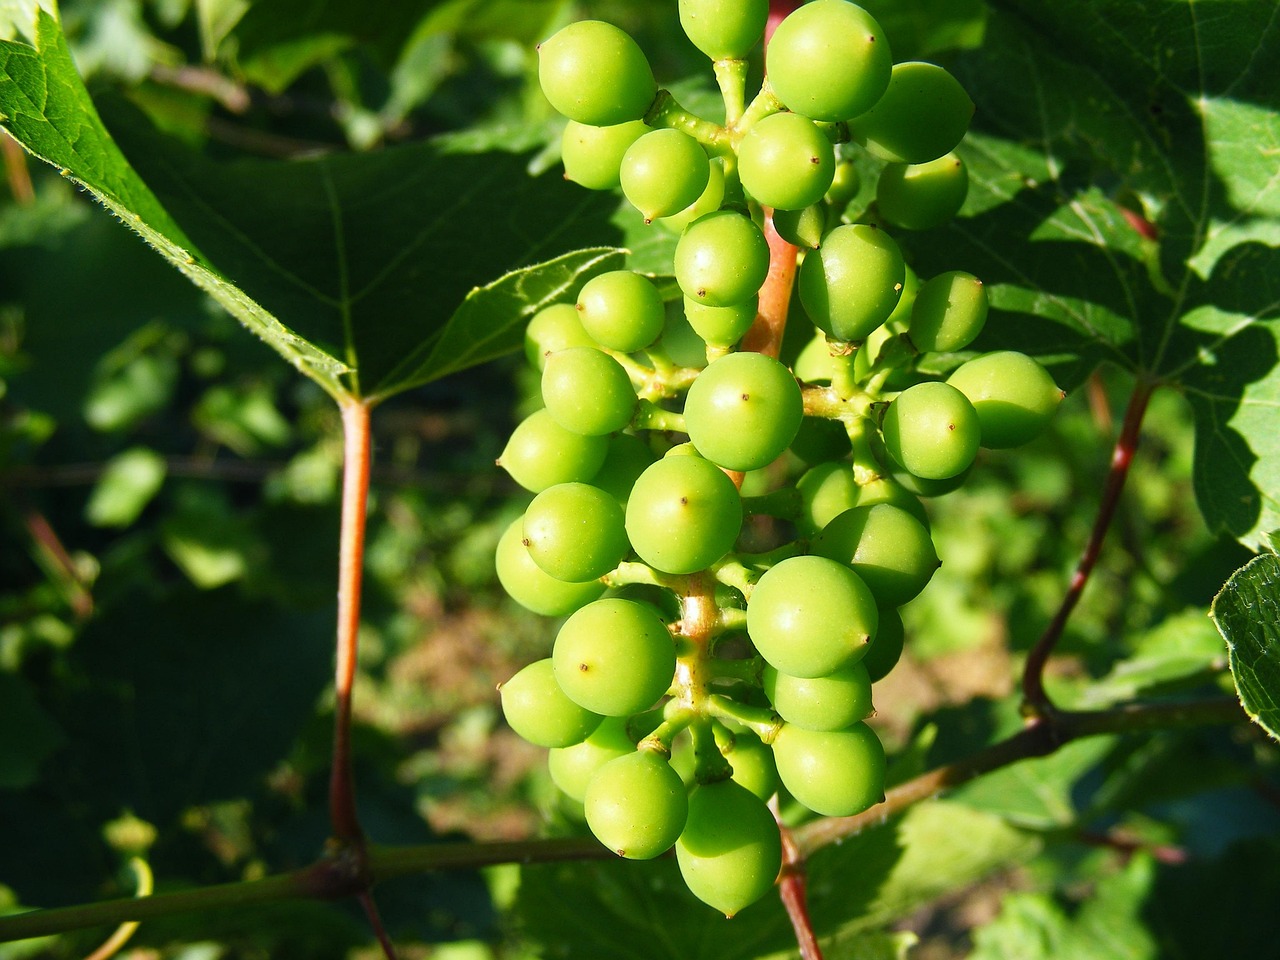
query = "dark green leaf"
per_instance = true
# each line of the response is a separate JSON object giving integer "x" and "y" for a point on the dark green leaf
{"x": 1247, "y": 613}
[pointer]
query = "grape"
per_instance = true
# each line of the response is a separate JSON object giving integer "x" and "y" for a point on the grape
{"x": 921, "y": 487}
{"x": 531, "y": 586}
{"x": 575, "y": 532}
{"x": 923, "y": 114}
{"x": 785, "y": 161}
{"x": 809, "y": 616}
{"x": 932, "y": 430}
{"x": 540, "y": 453}
{"x": 593, "y": 72}
{"x": 743, "y": 411}
{"x": 636, "y": 805}
{"x": 587, "y": 391}
{"x": 820, "y": 440}
{"x": 628, "y": 457}
{"x": 553, "y": 328}
{"x": 886, "y": 649}
{"x": 684, "y": 514}
{"x": 721, "y": 259}
{"x": 949, "y": 312}
{"x": 614, "y": 657}
{"x": 886, "y": 546}
{"x": 832, "y": 702}
{"x": 921, "y": 196}
{"x": 852, "y": 283}
{"x": 730, "y": 851}
{"x": 836, "y": 773}
{"x": 826, "y": 490}
{"x": 681, "y": 343}
{"x": 886, "y": 490}
{"x": 593, "y": 155}
{"x": 751, "y": 760}
{"x": 829, "y": 60}
{"x": 815, "y": 364}
{"x": 722, "y": 326}
{"x": 537, "y": 709}
{"x": 572, "y": 768}
{"x": 724, "y": 29}
{"x": 664, "y": 172}
{"x": 1014, "y": 396}
{"x": 621, "y": 310}
{"x": 802, "y": 228}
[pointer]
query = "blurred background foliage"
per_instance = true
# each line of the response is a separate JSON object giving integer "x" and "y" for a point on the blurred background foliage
{"x": 168, "y": 529}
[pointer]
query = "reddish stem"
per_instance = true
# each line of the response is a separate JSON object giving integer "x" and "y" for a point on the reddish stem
{"x": 1035, "y": 700}
{"x": 792, "y": 888}
{"x": 765, "y": 335}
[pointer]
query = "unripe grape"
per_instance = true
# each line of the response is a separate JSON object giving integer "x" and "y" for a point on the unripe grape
{"x": 886, "y": 546}
{"x": 681, "y": 343}
{"x": 664, "y": 172}
{"x": 628, "y": 457}
{"x": 950, "y": 310}
{"x": 1014, "y": 396}
{"x": 614, "y": 657}
{"x": 885, "y": 490}
{"x": 751, "y": 760}
{"x": 684, "y": 514}
{"x": 730, "y": 851}
{"x": 536, "y": 708}
{"x": 621, "y": 310}
{"x": 921, "y": 196}
{"x": 886, "y": 648}
{"x": 531, "y": 586}
{"x": 592, "y": 156}
{"x": 803, "y": 228}
{"x": 721, "y": 259}
{"x": 836, "y": 773}
{"x": 574, "y": 532}
{"x": 709, "y": 202}
{"x": 785, "y": 161}
{"x": 808, "y": 616}
{"x": 743, "y": 411}
{"x": 833, "y": 702}
{"x": 540, "y": 453}
{"x": 553, "y": 328}
{"x": 932, "y": 430}
{"x": 722, "y": 326}
{"x": 724, "y": 29}
{"x": 826, "y": 491}
{"x": 853, "y": 282}
{"x": 587, "y": 391}
{"x": 594, "y": 72}
{"x": 923, "y": 114}
{"x": 829, "y": 60}
{"x": 636, "y": 805}
{"x": 572, "y": 768}
{"x": 820, "y": 440}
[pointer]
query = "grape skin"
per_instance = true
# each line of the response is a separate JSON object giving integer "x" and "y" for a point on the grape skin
{"x": 593, "y": 72}
{"x": 730, "y": 851}
{"x": 537, "y": 709}
{"x": 626, "y": 675}
{"x": 743, "y": 411}
{"x": 636, "y": 805}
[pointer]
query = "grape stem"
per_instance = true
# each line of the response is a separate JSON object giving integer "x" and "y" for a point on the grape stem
{"x": 666, "y": 112}
{"x": 792, "y": 883}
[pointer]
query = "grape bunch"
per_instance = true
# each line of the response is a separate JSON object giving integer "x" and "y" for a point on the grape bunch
{"x": 728, "y": 539}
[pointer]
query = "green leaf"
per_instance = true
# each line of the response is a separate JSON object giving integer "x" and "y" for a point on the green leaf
{"x": 1247, "y": 613}
{"x": 28, "y": 735}
{"x": 129, "y": 482}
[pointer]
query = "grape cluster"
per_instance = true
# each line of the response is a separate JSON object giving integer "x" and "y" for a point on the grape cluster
{"x": 700, "y": 670}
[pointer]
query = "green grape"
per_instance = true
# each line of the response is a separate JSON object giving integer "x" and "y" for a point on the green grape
{"x": 537, "y": 709}
{"x": 553, "y": 328}
{"x": 587, "y": 391}
{"x": 572, "y": 768}
{"x": 721, "y": 326}
{"x": 931, "y": 430}
{"x": 721, "y": 259}
{"x": 829, "y": 60}
{"x": 833, "y": 702}
{"x": 681, "y": 343}
{"x": 815, "y": 364}
{"x": 949, "y": 312}
{"x": 636, "y": 805}
{"x": 785, "y": 161}
{"x": 886, "y": 649}
{"x": 531, "y": 586}
{"x": 901, "y": 316}
{"x": 808, "y": 616}
{"x": 724, "y": 29}
{"x": 836, "y": 773}
{"x": 923, "y": 114}
{"x": 621, "y": 310}
{"x": 614, "y": 657}
{"x": 709, "y": 202}
{"x": 628, "y": 457}
{"x": 1014, "y": 396}
{"x": 730, "y": 851}
{"x": 664, "y": 172}
{"x": 820, "y": 440}
{"x": 885, "y": 490}
{"x": 594, "y": 72}
{"x": 684, "y": 514}
{"x": 844, "y": 186}
{"x": 743, "y": 411}
{"x": 593, "y": 155}
{"x": 886, "y": 546}
{"x": 540, "y": 453}
{"x": 921, "y": 196}
{"x": 751, "y": 760}
{"x": 826, "y": 491}
{"x": 851, "y": 284}
{"x": 575, "y": 532}
{"x": 803, "y": 228}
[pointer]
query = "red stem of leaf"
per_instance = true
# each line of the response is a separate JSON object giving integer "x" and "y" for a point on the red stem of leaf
{"x": 1035, "y": 700}
{"x": 792, "y": 888}
{"x": 375, "y": 921}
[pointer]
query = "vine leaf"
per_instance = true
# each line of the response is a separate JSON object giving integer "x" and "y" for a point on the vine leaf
{"x": 1247, "y": 613}
{"x": 1125, "y": 208}
{"x": 370, "y": 273}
